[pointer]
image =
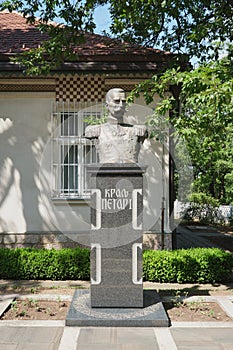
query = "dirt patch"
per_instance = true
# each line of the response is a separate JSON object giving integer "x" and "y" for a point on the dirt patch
{"x": 195, "y": 311}
{"x": 194, "y": 291}
{"x": 33, "y": 309}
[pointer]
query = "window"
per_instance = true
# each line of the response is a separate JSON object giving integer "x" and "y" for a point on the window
{"x": 71, "y": 151}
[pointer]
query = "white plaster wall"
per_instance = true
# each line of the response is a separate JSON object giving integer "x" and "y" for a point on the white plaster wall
{"x": 25, "y": 176}
{"x": 24, "y": 127}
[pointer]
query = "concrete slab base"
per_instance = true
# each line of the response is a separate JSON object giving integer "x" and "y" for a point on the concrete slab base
{"x": 151, "y": 315}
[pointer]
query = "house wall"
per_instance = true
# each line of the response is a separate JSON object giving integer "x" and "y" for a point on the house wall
{"x": 28, "y": 215}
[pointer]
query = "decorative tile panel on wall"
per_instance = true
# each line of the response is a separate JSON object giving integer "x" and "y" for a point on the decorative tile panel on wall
{"x": 80, "y": 88}
{"x": 125, "y": 87}
{"x": 25, "y": 87}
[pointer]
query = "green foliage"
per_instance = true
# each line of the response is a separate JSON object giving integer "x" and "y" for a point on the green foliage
{"x": 204, "y": 199}
{"x": 190, "y": 27}
{"x": 93, "y": 120}
{"x": 183, "y": 266}
{"x": 44, "y": 264}
{"x": 202, "y": 117}
{"x": 196, "y": 265}
{"x": 201, "y": 99}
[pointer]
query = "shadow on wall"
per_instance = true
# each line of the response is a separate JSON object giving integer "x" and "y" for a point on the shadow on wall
{"x": 24, "y": 129}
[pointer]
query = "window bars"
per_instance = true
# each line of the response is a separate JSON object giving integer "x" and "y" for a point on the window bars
{"x": 71, "y": 151}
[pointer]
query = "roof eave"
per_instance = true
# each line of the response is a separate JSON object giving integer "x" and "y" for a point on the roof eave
{"x": 100, "y": 63}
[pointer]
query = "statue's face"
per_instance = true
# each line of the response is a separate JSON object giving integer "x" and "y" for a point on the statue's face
{"x": 116, "y": 104}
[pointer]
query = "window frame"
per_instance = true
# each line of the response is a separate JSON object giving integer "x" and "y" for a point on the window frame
{"x": 64, "y": 139}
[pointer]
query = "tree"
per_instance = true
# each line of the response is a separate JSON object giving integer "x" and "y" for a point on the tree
{"x": 181, "y": 26}
{"x": 204, "y": 120}
{"x": 201, "y": 98}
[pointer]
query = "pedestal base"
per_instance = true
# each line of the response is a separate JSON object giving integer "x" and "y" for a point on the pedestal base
{"x": 151, "y": 315}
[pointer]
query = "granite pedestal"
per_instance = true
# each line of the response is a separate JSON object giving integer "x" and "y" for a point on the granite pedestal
{"x": 152, "y": 314}
{"x": 116, "y": 292}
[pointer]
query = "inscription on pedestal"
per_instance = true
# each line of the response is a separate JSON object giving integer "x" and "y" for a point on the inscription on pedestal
{"x": 114, "y": 201}
{"x": 121, "y": 201}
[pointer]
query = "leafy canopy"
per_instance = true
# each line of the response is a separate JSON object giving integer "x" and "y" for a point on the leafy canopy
{"x": 202, "y": 116}
{"x": 182, "y": 26}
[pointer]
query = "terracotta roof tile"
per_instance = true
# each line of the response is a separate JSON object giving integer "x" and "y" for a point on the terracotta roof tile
{"x": 16, "y": 35}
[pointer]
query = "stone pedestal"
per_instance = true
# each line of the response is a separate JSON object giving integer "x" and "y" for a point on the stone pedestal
{"x": 82, "y": 314}
{"x": 116, "y": 296}
{"x": 116, "y": 235}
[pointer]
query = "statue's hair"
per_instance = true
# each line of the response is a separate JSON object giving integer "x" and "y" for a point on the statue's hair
{"x": 111, "y": 91}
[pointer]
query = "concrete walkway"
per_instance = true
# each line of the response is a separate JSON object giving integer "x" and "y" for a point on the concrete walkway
{"x": 53, "y": 335}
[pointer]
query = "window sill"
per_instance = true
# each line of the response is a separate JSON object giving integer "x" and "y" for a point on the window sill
{"x": 73, "y": 200}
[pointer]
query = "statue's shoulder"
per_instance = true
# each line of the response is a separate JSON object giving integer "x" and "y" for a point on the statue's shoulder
{"x": 141, "y": 130}
{"x": 92, "y": 131}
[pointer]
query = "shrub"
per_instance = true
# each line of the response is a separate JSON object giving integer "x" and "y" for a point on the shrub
{"x": 28, "y": 263}
{"x": 196, "y": 265}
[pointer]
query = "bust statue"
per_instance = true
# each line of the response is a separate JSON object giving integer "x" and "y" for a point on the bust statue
{"x": 118, "y": 142}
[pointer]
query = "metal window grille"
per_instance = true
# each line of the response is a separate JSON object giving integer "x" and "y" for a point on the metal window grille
{"x": 71, "y": 151}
